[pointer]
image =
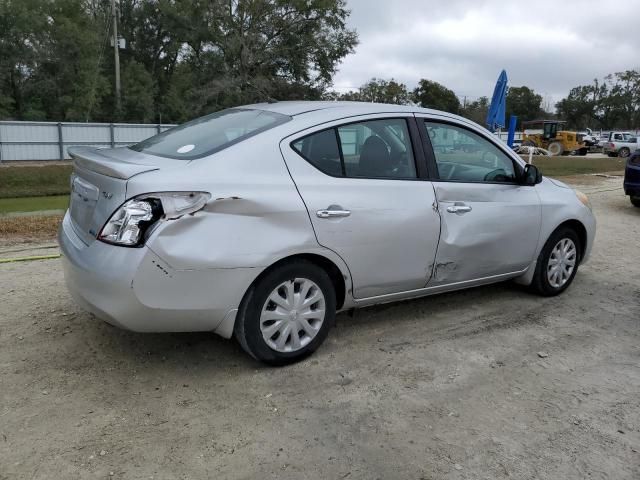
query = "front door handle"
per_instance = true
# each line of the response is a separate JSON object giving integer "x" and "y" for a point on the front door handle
{"x": 333, "y": 211}
{"x": 459, "y": 207}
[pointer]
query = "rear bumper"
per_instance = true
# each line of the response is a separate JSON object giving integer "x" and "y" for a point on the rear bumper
{"x": 134, "y": 289}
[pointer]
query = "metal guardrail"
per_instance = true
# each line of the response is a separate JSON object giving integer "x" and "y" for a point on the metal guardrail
{"x": 50, "y": 140}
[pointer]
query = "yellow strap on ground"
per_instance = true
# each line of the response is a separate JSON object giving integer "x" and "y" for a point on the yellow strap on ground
{"x": 29, "y": 259}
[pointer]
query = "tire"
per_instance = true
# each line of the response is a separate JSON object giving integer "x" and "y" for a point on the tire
{"x": 624, "y": 152}
{"x": 285, "y": 281}
{"x": 612, "y": 154}
{"x": 541, "y": 283}
{"x": 583, "y": 151}
{"x": 635, "y": 201}
{"x": 555, "y": 149}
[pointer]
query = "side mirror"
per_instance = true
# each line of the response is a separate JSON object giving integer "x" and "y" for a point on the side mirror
{"x": 531, "y": 176}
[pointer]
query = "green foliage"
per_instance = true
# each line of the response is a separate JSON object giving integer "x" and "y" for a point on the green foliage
{"x": 183, "y": 58}
{"x": 430, "y": 94}
{"x": 608, "y": 104}
{"x": 138, "y": 88}
{"x": 34, "y": 204}
{"x": 563, "y": 166}
{"x": 376, "y": 90}
{"x": 524, "y": 103}
{"x": 28, "y": 181}
{"x": 477, "y": 110}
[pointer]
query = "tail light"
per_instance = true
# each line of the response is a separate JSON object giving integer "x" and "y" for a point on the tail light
{"x": 129, "y": 223}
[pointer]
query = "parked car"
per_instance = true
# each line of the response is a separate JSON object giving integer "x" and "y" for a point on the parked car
{"x": 261, "y": 222}
{"x": 632, "y": 178}
{"x": 622, "y": 148}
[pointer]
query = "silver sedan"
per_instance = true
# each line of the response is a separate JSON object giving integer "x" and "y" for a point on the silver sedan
{"x": 261, "y": 222}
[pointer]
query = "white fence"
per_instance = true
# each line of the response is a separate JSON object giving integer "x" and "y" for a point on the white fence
{"x": 50, "y": 140}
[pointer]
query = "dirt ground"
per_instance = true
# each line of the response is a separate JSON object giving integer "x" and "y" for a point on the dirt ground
{"x": 489, "y": 383}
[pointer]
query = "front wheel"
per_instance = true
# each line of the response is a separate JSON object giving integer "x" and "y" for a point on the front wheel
{"x": 557, "y": 263}
{"x": 556, "y": 148}
{"x": 287, "y": 313}
{"x": 624, "y": 152}
{"x": 635, "y": 201}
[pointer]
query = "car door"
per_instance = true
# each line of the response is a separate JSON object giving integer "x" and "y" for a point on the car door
{"x": 490, "y": 222}
{"x": 368, "y": 199}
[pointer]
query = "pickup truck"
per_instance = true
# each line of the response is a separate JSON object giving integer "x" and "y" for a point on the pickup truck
{"x": 608, "y": 137}
{"x": 622, "y": 148}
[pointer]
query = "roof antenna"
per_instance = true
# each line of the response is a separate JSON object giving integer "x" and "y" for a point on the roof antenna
{"x": 269, "y": 98}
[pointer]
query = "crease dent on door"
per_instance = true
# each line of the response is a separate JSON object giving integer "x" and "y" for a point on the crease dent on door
{"x": 486, "y": 246}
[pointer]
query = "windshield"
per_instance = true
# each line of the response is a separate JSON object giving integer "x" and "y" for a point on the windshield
{"x": 209, "y": 134}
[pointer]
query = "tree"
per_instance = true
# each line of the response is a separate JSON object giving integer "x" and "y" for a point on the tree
{"x": 609, "y": 104}
{"x": 524, "y": 103}
{"x": 430, "y": 94}
{"x": 138, "y": 88}
{"x": 22, "y": 34}
{"x": 239, "y": 51}
{"x": 183, "y": 57}
{"x": 476, "y": 110}
{"x": 377, "y": 91}
{"x": 383, "y": 91}
{"x": 579, "y": 108}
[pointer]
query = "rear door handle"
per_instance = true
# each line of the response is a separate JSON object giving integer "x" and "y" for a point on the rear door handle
{"x": 459, "y": 208}
{"x": 333, "y": 212}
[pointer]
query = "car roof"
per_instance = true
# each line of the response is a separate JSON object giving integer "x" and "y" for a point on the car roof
{"x": 295, "y": 108}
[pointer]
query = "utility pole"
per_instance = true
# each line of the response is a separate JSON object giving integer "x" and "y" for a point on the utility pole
{"x": 116, "y": 53}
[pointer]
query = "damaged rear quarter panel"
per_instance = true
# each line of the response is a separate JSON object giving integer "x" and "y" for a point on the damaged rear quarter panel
{"x": 254, "y": 217}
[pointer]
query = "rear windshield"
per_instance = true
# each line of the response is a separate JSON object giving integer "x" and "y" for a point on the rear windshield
{"x": 206, "y": 135}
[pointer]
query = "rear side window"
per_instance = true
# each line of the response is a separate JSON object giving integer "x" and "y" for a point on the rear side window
{"x": 322, "y": 151}
{"x": 209, "y": 134}
{"x": 372, "y": 149}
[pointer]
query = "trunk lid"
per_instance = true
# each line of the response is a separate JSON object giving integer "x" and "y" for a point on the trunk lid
{"x": 99, "y": 184}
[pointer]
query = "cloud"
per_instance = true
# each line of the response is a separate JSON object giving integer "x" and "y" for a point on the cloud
{"x": 549, "y": 45}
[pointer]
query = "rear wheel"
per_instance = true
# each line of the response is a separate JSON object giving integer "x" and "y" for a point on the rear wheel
{"x": 583, "y": 151}
{"x": 287, "y": 314}
{"x": 557, "y": 263}
{"x": 624, "y": 152}
{"x": 635, "y": 201}
{"x": 556, "y": 148}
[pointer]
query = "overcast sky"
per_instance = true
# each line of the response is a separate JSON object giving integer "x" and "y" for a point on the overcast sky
{"x": 464, "y": 44}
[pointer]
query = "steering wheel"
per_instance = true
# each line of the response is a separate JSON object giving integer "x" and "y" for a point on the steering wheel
{"x": 497, "y": 175}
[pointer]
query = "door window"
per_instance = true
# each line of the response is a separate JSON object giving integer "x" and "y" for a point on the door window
{"x": 371, "y": 149}
{"x": 464, "y": 156}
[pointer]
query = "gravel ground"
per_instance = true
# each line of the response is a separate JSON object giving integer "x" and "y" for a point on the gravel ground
{"x": 487, "y": 383}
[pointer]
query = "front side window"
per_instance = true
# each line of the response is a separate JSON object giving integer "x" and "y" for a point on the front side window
{"x": 464, "y": 156}
{"x": 209, "y": 134}
{"x": 371, "y": 149}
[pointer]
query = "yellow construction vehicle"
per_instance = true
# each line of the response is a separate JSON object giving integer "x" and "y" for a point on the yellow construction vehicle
{"x": 546, "y": 134}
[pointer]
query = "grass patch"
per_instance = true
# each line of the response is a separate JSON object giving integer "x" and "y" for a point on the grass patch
{"x": 34, "y": 181}
{"x": 564, "y": 166}
{"x": 34, "y": 204}
{"x": 29, "y": 228}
